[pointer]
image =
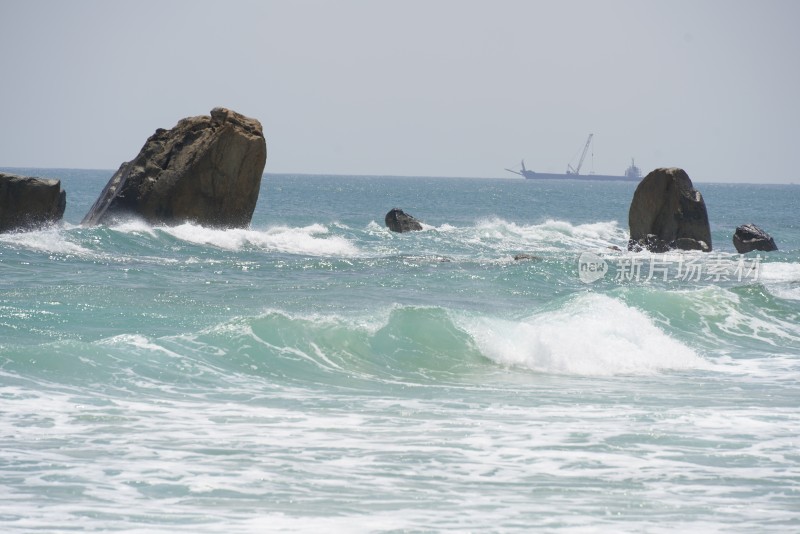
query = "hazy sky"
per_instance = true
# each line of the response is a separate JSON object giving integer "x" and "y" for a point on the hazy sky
{"x": 432, "y": 87}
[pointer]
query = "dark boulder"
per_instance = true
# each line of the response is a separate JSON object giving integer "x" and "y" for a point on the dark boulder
{"x": 750, "y": 237}
{"x": 399, "y": 221}
{"x": 27, "y": 202}
{"x": 205, "y": 170}
{"x": 667, "y": 206}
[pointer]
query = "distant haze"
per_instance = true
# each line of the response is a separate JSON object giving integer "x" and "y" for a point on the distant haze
{"x": 430, "y": 88}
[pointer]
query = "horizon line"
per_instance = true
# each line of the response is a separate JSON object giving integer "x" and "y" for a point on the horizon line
{"x": 361, "y": 175}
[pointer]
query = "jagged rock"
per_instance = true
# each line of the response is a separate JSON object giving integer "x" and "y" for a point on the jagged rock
{"x": 667, "y": 206}
{"x": 399, "y": 221}
{"x": 205, "y": 170}
{"x": 750, "y": 237}
{"x": 27, "y": 202}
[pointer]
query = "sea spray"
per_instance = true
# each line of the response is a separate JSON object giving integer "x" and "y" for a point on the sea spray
{"x": 309, "y": 240}
{"x": 589, "y": 335}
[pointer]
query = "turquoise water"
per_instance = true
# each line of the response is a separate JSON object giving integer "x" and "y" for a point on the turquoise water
{"x": 316, "y": 372}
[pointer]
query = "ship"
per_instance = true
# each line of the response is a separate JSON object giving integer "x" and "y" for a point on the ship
{"x": 632, "y": 173}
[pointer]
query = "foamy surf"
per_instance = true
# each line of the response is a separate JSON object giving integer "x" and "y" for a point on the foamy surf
{"x": 134, "y": 226}
{"x": 53, "y": 240}
{"x": 590, "y": 335}
{"x": 550, "y": 235}
{"x": 311, "y": 240}
{"x": 781, "y": 279}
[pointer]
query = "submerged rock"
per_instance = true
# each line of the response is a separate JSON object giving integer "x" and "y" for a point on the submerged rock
{"x": 399, "y": 221}
{"x": 27, "y": 202}
{"x": 750, "y": 237}
{"x": 205, "y": 170}
{"x": 666, "y": 206}
{"x": 525, "y": 257}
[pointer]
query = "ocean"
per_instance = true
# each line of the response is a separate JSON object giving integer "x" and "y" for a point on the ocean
{"x": 318, "y": 373}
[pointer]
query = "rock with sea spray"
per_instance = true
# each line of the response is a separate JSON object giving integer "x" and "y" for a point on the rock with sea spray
{"x": 667, "y": 212}
{"x": 27, "y": 202}
{"x": 399, "y": 221}
{"x": 206, "y": 170}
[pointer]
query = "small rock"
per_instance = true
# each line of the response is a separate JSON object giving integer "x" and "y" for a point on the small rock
{"x": 750, "y": 237}
{"x": 399, "y": 221}
{"x": 523, "y": 257}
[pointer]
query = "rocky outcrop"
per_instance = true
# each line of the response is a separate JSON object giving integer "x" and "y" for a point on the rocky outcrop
{"x": 750, "y": 237}
{"x": 399, "y": 221}
{"x": 668, "y": 212}
{"x": 205, "y": 170}
{"x": 27, "y": 202}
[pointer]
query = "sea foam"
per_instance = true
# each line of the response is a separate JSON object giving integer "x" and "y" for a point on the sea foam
{"x": 781, "y": 279}
{"x": 502, "y": 236}
{"x": 54, "y": 240}
{"x": 590, "y": 335}
{"x": 312, "y": 240}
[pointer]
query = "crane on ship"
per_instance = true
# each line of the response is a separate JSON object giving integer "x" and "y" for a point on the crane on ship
{"x": 577, "y": 169}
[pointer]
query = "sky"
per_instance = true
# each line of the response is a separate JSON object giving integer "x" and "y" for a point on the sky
{"x": 413, "y": 87}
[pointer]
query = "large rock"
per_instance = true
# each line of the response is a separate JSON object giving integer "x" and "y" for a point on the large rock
{"x": 750, "y": 237}
{"x": 667, "y": 207}
{"x": 27, "y": 202}
{"x": 205, "y": 170}
{"x": 399, "y": 221}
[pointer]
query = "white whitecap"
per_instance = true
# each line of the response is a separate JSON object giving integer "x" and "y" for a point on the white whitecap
{"x": 137, "y": 341}
{"x": 505, "y": 236}
{"x": 313, "y": 240}
{"x": 591, "y": 335}
{"x": 134, "y": 226}
{"x": 53, "y": 240}
{"x": 781, "y": 279}
{"x": 779, "y": 272}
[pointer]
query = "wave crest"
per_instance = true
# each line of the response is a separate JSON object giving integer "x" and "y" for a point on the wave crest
{"x": 591, "y": 335}
{"x": 312, "y": 240}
